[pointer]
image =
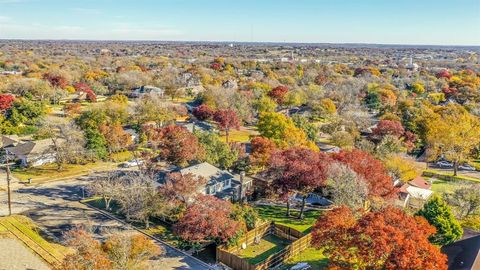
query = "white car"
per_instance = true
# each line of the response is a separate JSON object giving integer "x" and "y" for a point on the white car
{"x": 444, "y": 164}
{"x": 466, "y": 167}
{"x": 131, "y": 163}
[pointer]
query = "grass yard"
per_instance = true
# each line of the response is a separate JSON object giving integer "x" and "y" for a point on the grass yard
{"x": 278, "y": 214}
{"x": 242, "y": 135}
{"x": 22, "y": 228}
{"x": 267, "y": 246}
{"x": 49, "y": 172}
{"x": 312, "y": 256}
{"x": 441, "y": 186}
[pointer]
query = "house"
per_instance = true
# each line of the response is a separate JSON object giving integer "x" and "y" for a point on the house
{"x": 463, "y": 254}
{"x": 147, "y": 89}
{"x": 32, "y": 153}
{"x": 328, "y": 148}
{"x": 220, "y": 183}
{"x": 9, "y": 141}
{"x": 415, "y": 193}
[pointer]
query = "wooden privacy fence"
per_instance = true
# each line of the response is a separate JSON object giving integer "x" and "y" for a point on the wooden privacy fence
{"x": 227, "y": 256}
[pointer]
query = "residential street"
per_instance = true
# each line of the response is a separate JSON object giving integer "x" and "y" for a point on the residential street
{"x": 54, "y": 206}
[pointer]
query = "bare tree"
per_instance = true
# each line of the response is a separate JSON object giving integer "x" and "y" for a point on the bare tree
{"x": 346, "y": 187}
{"x": 108, "y": 187}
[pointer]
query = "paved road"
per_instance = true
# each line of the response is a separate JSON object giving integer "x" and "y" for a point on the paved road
{"x": 54, "y": 206}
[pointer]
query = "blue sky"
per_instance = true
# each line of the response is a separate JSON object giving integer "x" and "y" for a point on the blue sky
{"x": 439, "y": 22}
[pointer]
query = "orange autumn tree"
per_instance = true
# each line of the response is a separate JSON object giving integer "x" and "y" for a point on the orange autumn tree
{"x": 384, "y": 239}
{"x": 119, "y": 251}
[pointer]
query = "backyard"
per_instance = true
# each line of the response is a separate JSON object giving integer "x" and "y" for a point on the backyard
{"x": 267, "y": 246}
{"x": 278, "y": 215}
{"x": 312, "y": 256}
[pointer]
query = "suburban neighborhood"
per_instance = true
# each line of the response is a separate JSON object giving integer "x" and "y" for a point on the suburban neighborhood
{"x": 136, "y": 153}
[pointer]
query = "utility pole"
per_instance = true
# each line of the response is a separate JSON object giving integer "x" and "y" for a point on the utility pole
{"x": 8, "y": 184}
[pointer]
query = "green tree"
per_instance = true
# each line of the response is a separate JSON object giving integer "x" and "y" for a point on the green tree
{"x": 439, "y": 215}
{"x": 217, "y": 152}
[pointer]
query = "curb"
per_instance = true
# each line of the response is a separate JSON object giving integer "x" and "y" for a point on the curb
{"x": 207, "y": 266}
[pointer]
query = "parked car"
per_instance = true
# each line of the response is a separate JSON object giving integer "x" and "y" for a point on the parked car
{"x": 444, "y": 164}
{"x": 131, "y": 163}
{"x": 466, "y": 167}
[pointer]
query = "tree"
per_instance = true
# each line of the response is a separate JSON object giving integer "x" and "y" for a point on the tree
{"x": 153, "y": 108}
{"x": 466, "y": 200}
{"x": 226, "y": 120}
{"x": 176, "y": 144}
{"x": 278, "y": 93}
{"x": 282, "y": 130}
{"x": 120, "y": 251}
{"x": 130, "y": 251}
{"x": 88, "y": 253}
{"x": 208, "y": 219}
{"x": 304, "y": 124}
{"x": 261, "y": 151}
{"x": 453, "y": 135}
{"x": 372, "y": 170}
{"x": 217, "y": 152}
{"x": 116, "y": 138}
{"x": 384, "y": 239}
{"x": 183, "y": 187}
{"x": 6, "y": 101}
{"x": 139, "y": 198}
{"x": 108, "y": 187}
{"x": 403, "y": 169}
{"x": 388, "y": 127}
{"x": 439, "y": 215}
{"x": 298, "y": 170}
{"x": 203, "y": 112}
{"x": 345, "y": 186}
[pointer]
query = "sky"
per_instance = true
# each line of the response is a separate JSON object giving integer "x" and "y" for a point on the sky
{"x": 425, "y": 22}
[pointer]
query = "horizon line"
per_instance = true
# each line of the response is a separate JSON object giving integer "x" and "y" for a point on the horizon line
{"x": 243, "y": 42}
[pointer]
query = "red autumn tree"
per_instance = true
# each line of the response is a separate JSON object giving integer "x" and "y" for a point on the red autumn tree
{"x": 176, "y": 144}
{"x": 208, "y": 219}
{"x": 443, "y": 74}
{"x": 6, "y": 101}
{"x": 56, "y": 80}
{"x": 203, "y": 112}
{"x": 388, "y": 127}
{"x": 183, "y": 187}
{"x": 91, "y": 97}
{"x": 261, "y": 151}
{"x": 385, "y": 239}
{"x": 117, "y": 139}
{"x": 278, "y": 93}
{"x": 226, "y": 120}
{"x": 298, "y": 170}
{"x": 81, "y": 87}
{"x": 216, "y": 66}
{"x": 380, "y": 184}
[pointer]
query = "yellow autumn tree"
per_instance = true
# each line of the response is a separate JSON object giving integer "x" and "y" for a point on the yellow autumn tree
{"x": 282, "y": 130}
{"x": 453, "y": 135}
{"x": 402, "y": 168}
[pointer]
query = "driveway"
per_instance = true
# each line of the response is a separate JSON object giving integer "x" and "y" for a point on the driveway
{"x": 54, "y": 207}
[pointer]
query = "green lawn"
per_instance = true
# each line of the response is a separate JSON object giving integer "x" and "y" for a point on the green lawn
{"x": 441, "y": 186}
{"x": 242, "y": 135}
{"x": 312, "y": 256}
{"x": 278, "y": 214}
{"x": 268, "y": 245}
{"x": 50, "y": 172}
